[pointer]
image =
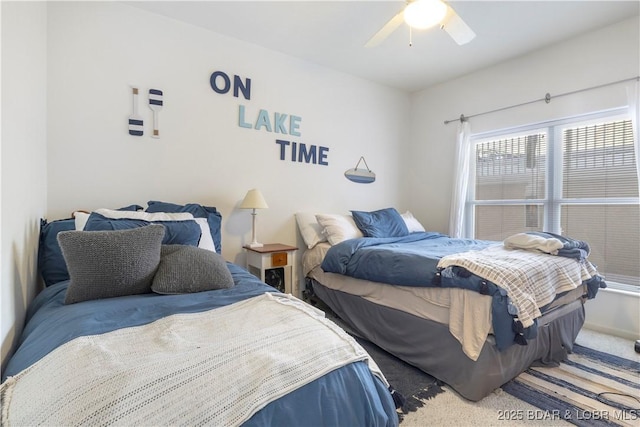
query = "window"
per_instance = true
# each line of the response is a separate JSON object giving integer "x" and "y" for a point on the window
{"x": 573, "y": 177}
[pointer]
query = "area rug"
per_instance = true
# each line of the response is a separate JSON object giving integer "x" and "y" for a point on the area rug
{"x": 415, "y": 386}
{"x": 592, "y": 388}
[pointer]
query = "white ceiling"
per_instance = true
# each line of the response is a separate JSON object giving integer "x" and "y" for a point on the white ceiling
{"x": 333, "y": 33}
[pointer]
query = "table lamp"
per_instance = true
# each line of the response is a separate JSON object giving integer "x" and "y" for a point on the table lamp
{"x": 254, "y": 200}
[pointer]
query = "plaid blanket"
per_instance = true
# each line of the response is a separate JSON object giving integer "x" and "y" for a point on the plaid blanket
{"x": 531, "y": 279}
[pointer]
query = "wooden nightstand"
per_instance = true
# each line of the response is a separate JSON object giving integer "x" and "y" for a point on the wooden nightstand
{"x": 274, "y": 264}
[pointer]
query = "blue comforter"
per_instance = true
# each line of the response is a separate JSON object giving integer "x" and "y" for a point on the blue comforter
{"x": 50, "y": 324}
{"x": 412, "y": 261}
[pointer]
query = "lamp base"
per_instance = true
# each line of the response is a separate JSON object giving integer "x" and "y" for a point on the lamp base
{"x": 255, "y": 245}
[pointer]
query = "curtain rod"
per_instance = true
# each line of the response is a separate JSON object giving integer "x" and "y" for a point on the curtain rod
{"x": 547, "y": 99}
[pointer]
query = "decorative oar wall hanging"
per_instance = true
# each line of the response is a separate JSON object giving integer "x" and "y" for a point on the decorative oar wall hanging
{"x": 136, "y": 127}
{"x": 155, "y": 103}
{"x": 361, "y": 176}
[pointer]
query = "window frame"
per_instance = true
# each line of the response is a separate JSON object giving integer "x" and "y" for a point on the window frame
{"x": 553, "y": 199}
{"x": 470, "y": 202}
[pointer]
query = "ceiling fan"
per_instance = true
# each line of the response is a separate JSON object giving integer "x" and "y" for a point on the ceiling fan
{"x": 421, "y": 14}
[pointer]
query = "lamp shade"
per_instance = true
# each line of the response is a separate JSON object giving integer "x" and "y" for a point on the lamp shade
{"x": 253, "y": 200}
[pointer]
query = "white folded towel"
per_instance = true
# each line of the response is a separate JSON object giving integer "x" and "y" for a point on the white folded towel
{"x": 529, "y": 241}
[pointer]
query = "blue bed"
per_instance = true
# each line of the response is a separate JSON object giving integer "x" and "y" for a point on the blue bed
{"x": 349, "y": 395}
{"x": 418, "y": 295}
{"x": 412, "y": 260}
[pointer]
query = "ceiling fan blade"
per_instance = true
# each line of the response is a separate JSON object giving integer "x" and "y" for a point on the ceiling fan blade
{"x": 386, "y": 31}
{"x": 456, "y": 27}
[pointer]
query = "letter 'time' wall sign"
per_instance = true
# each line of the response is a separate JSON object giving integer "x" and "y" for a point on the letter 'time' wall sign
{"x": 279, "y": 123}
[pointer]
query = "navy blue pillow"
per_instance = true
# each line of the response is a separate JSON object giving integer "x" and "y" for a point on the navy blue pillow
{"x": 176, "y": 232}
{"x": 50, "y": 260}
{"x": 132, "y": 208}
{"x": 381, "y": 223}
{"x": 51, "y": 264}
{"x": 214, "y": 218}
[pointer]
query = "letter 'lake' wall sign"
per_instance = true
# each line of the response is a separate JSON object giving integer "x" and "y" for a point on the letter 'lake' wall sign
{"x": 279, "y": 123}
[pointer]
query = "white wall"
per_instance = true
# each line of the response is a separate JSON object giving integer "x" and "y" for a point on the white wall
{"x": 97, "y": 49}
{"x": 23, "y": 163}
{"x": 609, "y": 54}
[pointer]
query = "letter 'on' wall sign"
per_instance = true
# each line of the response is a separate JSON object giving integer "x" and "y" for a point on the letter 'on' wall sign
{"x": 221, "y": 83}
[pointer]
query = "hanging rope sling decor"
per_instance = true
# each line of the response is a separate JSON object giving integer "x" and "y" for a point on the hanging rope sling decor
{"x": 361, "y": 176}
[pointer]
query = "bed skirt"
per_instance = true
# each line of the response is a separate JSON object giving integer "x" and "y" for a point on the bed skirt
{"x": 429, "y": 346}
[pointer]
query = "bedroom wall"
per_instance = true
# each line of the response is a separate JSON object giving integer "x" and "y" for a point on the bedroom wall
{"x": 97, "y": 49}
{"x": 23, "y": 159}
{"x": 606, "y": 55}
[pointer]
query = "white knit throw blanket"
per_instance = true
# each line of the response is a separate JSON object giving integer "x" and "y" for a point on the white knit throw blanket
{"x": 213, "y": 368}
{"x": 531, "y": 279}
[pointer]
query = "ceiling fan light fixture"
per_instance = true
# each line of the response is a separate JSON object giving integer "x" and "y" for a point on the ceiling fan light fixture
{"x": 421, "y": 14}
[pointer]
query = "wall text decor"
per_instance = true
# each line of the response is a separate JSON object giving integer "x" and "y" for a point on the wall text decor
{"x": 280, "y": 123}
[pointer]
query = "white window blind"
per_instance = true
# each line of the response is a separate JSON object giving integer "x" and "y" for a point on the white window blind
{"x": 576, "y": 178}
{"x": 599, "y": 184}
{"x": 510, "y": 184}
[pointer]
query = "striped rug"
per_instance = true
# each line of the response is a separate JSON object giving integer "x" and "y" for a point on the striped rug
{"x": 592, "y": 388}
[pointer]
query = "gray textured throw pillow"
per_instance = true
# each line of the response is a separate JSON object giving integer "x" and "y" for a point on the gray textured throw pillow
{"x": 186, "y": 269}
{"x": 106, "y": 264}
